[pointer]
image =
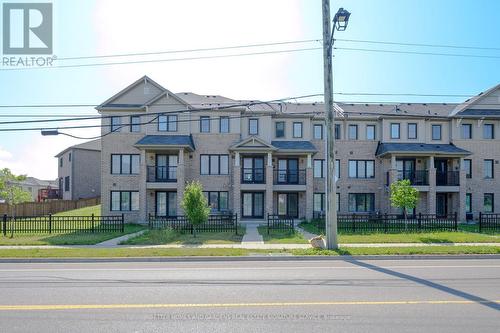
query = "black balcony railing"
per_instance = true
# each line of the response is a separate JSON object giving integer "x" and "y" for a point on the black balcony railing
{"x": 162, "y": 174}
{"x": 416, "y": 177}
{"x": 253, "y": 175}
{"x": 289, "y": 177}
{"x": 449, "y": 178}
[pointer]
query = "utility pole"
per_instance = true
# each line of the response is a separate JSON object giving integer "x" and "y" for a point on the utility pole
{"x": 340, "y": 23}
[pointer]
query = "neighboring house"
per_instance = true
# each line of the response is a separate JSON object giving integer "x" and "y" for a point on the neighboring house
{"x": 270, "y": 158}
{"x": 37, "y": 186}
{"x": 79, "y": 171}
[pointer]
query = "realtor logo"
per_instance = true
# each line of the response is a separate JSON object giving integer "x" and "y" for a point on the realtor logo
{"x": 27, "y": 28}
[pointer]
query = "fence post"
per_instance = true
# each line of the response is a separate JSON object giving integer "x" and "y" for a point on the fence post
{"x": 236, "y": 223}
{"x": 419, "y": 221}
{"x": 4, "y": 224}
{"x": 50, "y": 223}
{"x": 268, "y": 223}
{"x": 353, "y": 223}
{"x": 385, "y": 223}
{"x": 455, "y": 221}
{"x": 92, "y": 220}
{"x": 480, "y": 221}
{"x": 122, "y": 225}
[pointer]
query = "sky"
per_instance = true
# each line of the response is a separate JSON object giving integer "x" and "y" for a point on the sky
{"x": 111, "y": 27}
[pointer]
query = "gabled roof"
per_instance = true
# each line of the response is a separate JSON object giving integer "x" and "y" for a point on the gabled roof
{"x": 302, "y": 146}
{"x": 419, "y": 148}
{"x": 253, "y": 143}
{"x": 172, "y": 141}
{"x": 89, "y": 145}
{"x": 471, "y": 101}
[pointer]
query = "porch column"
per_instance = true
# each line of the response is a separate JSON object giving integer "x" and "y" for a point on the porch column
{"x": 181, "y": 183}
{"x": 237, "y": 185}
{"x": 269, "y": 184}
{"x": 309, "y": 188}
{"x": 462, "y": 192}
{"x": 431, "y": 196}
{"x": 143, "y": 199}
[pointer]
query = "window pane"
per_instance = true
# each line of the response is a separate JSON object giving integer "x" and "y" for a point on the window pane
{"x": 370, "y": 132}
{"x": 337, "y": 168}
{"x": 361, "y": 169}
{"x": 370, "y": 169}
{"x": 436, "y": 132}
{"x": 135, "y": 200}
{"x": 466, "y": 131}
{"x": 214, "y": 164}
{"x": 352, "y": 202}
{"x": 247, "y": 204}
{"x": 224, "y": 124}
{"x": 172, "y": 123}
{"x": 205, "y": 124}
{"x": 337, "y": 131}
{"x": 161, "y": 203}
{"x": 134, "y": 124}
{"x": 488, "y": 202}
{"x": 258, "y": 204}
{"x": 468, "y": 207}
{"x": 488, "y": 168}
{"x": 135, "y": 164}
{"x": 394, "y": 131}
{"x": 468, "y": 168}
{"x": 281, "y": 204}
{"x": 172, "y": 204}
{"x": 253, "y": 126}
{"x": 115, "y": 124}
{"x": 488, "y": 131}
{"x": 352, "y": 169}
{"x": 223, "y": 200}
{"x": 115, "y": 164}
{"x": 370, "y": 200}
{"x": 318, "y": 204}
{"x": 280, "y": 129}
{"x": 318, "y": 168}
{"x": 353, "y": 132}
{"x": 115, "y": 201}
{"x": 318, "y": 132}
{"x": 162, "y": 123}
{"x": 412, "y": 131}
{"x": 125, "y": 164}
{"x": 125, "y": 201}
{"x": 204, "y": 160}
{"x": 224, "y": 164}
{"x": 360, "y": 203}
{"x": 213, "y": 200}
{"x": 297, "y": 130}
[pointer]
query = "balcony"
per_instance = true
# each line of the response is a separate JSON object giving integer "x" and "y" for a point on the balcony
{"x": 416, "y": 177}
{"x": 289, "y": 177}
{"x": 253, "y": 176}
{"x": 162, "y": 174}
{"x": 448, "y": 178}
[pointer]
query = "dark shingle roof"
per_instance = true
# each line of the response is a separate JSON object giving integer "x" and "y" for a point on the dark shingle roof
{"x": 166, "y": 140}
{"x": 385, "y": 148}
{"x": 479, "y": 112}
{"x": 294, "y": 145}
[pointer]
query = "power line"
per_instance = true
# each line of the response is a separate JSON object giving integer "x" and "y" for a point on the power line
{"x": 418, "y": 53}
{"x": 418, "y": 44}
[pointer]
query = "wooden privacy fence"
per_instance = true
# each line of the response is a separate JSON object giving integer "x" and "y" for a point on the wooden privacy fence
{"x": 390, "y": 223}
{"x": 489, "y": 222}
{"x": 279, "y": 222}
{"x": 215, "y": 223}
{"x": 61, "y": 224}
{"x": 47, "y": 207}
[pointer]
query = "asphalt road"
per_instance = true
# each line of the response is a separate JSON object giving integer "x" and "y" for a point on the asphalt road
{"x": 274, "y": 296}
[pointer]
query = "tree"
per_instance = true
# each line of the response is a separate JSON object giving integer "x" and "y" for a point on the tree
{"x": 10, "y": 190}
{"x": 404, "y": 196}
{"x": 195, "y": 204}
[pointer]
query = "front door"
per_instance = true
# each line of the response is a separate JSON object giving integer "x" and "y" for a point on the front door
{"x": 166, "y": 203}
{"x": 253, "y": 205}
{"x": 441, "y": 204}
{"x": 288, "y": 204}
{"x": 441, "y": 171}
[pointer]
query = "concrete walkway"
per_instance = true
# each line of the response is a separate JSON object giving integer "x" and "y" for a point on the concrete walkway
{"x": 307, "y": 235}
{"x": 252, "y": 236}
{"x": 116, "y": 241}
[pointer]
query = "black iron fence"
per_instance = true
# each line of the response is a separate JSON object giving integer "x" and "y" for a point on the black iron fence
{"x": 253, "y": 175}
{"x": 215, "y": 223}
{"x": 389, "y": 223}
{"x": 416, "y": 177}
{"x": 289, "y": 177}
{"x": 489, "y": 222}
{"x": 61, "y": 224}
{"x": 448, "y": 178}
{"x": 279, "y": 222}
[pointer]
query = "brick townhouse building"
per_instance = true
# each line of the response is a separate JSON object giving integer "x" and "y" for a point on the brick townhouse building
{"x": 270, "y": 158}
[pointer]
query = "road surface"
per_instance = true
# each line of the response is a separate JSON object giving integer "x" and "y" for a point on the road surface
{"x": 442, "y": 295}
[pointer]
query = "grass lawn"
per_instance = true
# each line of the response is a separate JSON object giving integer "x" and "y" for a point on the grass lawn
{"x": 168, "y": 236}
{"x": 70, "y": 238}
{"x": 423, "y": 237}
{"x": 139, "y": 252}
{"x": 281, "y": 237}
{"x": 86, "y": 211}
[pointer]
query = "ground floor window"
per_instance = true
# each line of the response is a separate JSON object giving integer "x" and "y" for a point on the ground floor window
{"x": 488, "y": 205}
{"x": 166, "y": 203}
{"x": 288, "y": 204}
{"x": 468, "y": 202}
{"x": 124, "y": 201}
{"x": 319, "y": 202}
{"x": 217, "y": 201}
{"x": 253, "y": 204}
{"x": 361, "y": 202}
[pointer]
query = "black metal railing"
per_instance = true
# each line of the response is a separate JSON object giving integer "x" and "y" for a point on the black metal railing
{"x": 215, "y": 223}
{"x": 279, "y": 222}
{"x": 162, "y": 174}
{"x": 289, "y": 177}
{"x": 489, "y": 222}
{"x": 389, "y": 223}
{"x": 61, "y": 224}
{"x": 253, "y": 175}
{"x": 416, "y": 177}
{"x": 449, "y": 178}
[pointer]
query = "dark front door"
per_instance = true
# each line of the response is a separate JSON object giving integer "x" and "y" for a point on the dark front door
{"x": 441, "y": 204}
{"x": 441, "y": 171}
{"x": 288, "y": 204}
{"x": 252, "y": 204}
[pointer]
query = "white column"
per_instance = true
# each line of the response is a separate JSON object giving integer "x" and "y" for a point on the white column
{"x": 269, "y": 159}
{"x": 309, "y": 160}
{"x": 236, "y": 159}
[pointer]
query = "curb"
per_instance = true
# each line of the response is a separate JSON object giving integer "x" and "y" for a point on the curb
{"x": 250, "y": 258}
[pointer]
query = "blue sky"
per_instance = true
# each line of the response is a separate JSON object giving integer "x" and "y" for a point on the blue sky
{"x": 83, "y": 27}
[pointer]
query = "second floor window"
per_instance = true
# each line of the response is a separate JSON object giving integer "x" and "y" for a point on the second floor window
{"x": 337, "y": 131}
{"x": 361, "y": 169}
{"x": 488, "y": 131}
{"x": 297, "y": 130}
{"x": 488, "y": 169}
{"x": 116, "y": 124}
{"x": 205, "y": 124}
{"x": 412, "y": 131}
{"x": 466, "y": 131}
{"x": 167, "y": 123}
{"x": 353, "y": 132}
{"x": 318, "y": 131}
{"x": 370, "y": 132}
{"x": 436, "y": 132}
{"x": 66, "y": 184}
{"x": 61, "y": 162}
{"x": 468, "y": 168}
{"x": 253, "y": 126}
{"x": 125, "y": 164}
{"x": 319, "y": 170}
{"x": 135, "y": 124}
{"x": 395, "y": 131}
{"x": 224, "y": 124}
{"x": 214, "y": 164}
{"x": 279, "y": 129}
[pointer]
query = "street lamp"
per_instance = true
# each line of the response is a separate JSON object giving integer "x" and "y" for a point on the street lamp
{"x": 340, "y": 21}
